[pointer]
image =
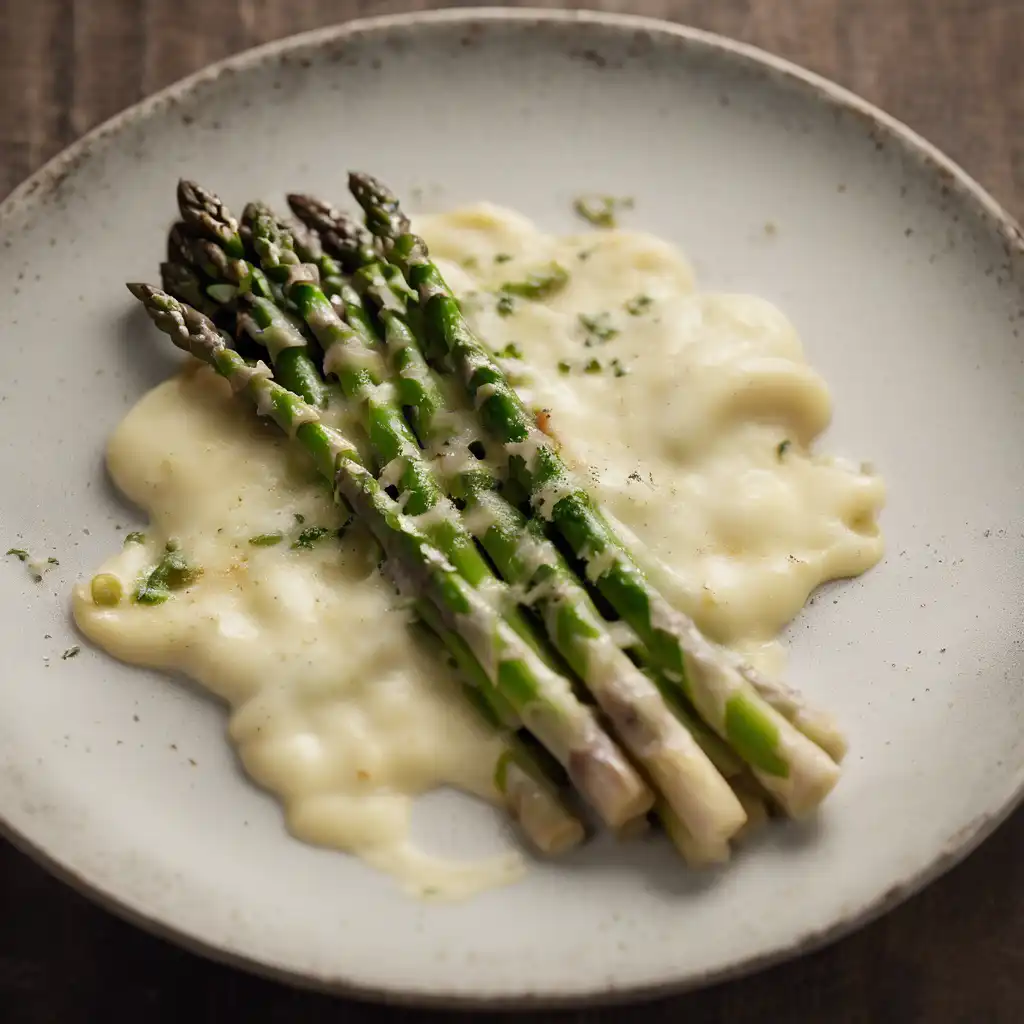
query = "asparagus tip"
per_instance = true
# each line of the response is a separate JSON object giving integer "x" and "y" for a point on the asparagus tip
{"x": 307, "y": 242}
{"x": 173, "y": 317}
{"x": 303, "y": 205}
{"x": 270, "y": 236}
{"x": 370, "y": 191}
{"x": 191, "y": 194}
{"x": 360, "y": 181}
{"x": 206, "y": 213}
{"x": 384, "y": 215}
{"x": 339, "y": 233}
{"x": 315, "y": 213}
{"x": 254, "y": 210}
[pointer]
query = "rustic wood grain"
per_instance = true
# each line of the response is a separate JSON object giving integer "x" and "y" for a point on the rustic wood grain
{"x": 951, "y": 69}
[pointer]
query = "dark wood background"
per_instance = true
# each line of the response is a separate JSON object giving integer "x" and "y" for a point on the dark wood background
{"x": 952, "y": 69}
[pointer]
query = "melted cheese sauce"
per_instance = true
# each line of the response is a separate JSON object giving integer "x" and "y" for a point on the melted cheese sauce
{"x": 695, "y": 426}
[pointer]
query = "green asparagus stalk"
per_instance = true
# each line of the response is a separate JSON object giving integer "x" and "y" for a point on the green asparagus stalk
{"x": 309, "y": 250}
{"x": 351, "y": 358}
{"x": 185, "y": 284}
{"x": 214, "y": 253}
{"x": 471, "y": 629}
{"x": 540, "y": 696}
{"x": 530, "y": 796}
{"x": 348, "y": 241}
{"x": 817, "y": 725}
{"x": 423, "y": 397}
{"x": 302, "y": 377}
{"x": 525, "y": 558}
{"x": 791, "y": 767}
{"x": 353, "y": 361}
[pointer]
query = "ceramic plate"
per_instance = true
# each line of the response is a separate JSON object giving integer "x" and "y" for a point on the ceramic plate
{"x": 906, "y": 282}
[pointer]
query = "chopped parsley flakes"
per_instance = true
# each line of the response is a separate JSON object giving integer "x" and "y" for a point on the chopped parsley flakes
{"x": 510, "y": 351}
{"x": 539, "y": 284}
{"x": 599, "y": 210}
{"x": 639, "y": 304}
{"x": 598, "y": 328}
{"x": 35, "y": 567}
{"x": 172, "y": 572}
{"x": 309, "y": 537}
{"x": 266, "y": 540}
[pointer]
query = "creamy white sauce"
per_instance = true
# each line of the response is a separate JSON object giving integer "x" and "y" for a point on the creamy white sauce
{"x": 339, "y": 705}
{"x": 684, "y": 449}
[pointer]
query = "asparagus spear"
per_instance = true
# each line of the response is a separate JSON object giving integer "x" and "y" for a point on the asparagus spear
{"x": 795, "y": 770}
{"x": 515, "y": 674}
{"x": 389, "y": 433}
{"x": 530, "y": 797}
{"x": 817, "y": 725}
{"x": 215, "y": 254}
{"x": 426, "y": 404}
{"x": 665, "y": 748}
{"x": 207, "y": 214}
{"x": 349, "y": 356}
{"x": 475, "y": 634}
{"x": 349, "y": 242}
{"x": 526, "y": 558}
{"x": 309, "y": 250}
{"x": 361, "y": 374}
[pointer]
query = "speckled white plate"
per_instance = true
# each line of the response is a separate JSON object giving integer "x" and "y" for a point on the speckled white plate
{"x": 907, "y": 284}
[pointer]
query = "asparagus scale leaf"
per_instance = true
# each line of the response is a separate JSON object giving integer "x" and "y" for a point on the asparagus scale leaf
{"x": 216, "y": 252}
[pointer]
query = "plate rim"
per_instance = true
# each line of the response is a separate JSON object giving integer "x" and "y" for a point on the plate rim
{"x": 48, "y": 178}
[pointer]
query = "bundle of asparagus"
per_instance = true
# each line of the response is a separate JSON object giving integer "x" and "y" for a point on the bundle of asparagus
{"x": 633, "y": 708}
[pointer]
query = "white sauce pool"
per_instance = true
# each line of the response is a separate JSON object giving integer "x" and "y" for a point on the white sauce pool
{"x": 698, "y": 437}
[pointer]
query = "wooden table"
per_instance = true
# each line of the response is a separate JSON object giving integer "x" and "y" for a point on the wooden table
{"x": 950, "y": 68}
